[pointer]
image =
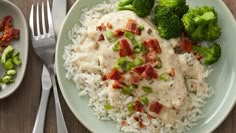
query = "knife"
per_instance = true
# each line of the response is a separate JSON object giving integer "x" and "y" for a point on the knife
{"x": 58, "y": 14}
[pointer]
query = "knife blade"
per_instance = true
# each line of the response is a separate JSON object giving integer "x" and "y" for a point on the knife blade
{"x": 58, "y": 14}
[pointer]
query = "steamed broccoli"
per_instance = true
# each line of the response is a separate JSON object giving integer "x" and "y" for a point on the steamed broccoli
{"x": 168, "y": 24}
{"x": 201, "y": 24}
{"x": 141, "y": 7}
{"x": 210, "y": 55}
{"x": 179, "y": 7}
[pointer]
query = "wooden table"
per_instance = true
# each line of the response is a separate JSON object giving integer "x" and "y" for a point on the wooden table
{"x": 18, "y": 112}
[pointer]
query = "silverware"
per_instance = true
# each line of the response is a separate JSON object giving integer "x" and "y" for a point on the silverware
{"x": 44, "y": 46}
{"x": 58, "y": 14}
{"x": 46, "y": 88}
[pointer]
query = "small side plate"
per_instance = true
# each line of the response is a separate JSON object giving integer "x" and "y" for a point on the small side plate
{"x": 19, "y": 22}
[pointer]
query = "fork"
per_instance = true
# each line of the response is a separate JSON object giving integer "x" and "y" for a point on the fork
{"x": 44, "y": 46}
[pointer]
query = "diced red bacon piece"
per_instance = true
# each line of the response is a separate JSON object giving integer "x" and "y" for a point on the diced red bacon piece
{"x": 1, "y": 26}
{"x": 139, "y": 69}
{"x": 149, "y": 73}
{"x": 101, "y": 27}
{"x": 101, "y": 37}
{"x": 124, "y": 123}
{"x": 150, "y": 57}
{"x": 7, "y": 22}
{"x": 16, "y": 33}
{"x": 119, "y": 33}
{"x": 117, "y": 85}
{"x": 185, "y": 43}
{"x": 136, "y": 118}
{"x": 155, "y": 107}
{"x": 135, "y": 78}
{"x": 115, "y": 75}
{"x": 138, "y": 106}
{"x": 4, "y": 44}
{"x": 172, "y": 72}
{"x": 10, "y": 34}
{"x": 125, "y": 49}
{"x": 109, "y": 25}
{"x": 132, "y": 26}
{"x": 141, "y": 125}
{"x": 152, "y": 45}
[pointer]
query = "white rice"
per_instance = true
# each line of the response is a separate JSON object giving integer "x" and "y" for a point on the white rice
{"x": 89, "y": 83}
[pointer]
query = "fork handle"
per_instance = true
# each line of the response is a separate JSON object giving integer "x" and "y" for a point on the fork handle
{"x": 61, "y": 125}
{"x": 40, "y": 118}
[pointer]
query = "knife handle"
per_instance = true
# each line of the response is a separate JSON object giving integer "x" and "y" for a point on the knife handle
{"x": 61, "y": 125}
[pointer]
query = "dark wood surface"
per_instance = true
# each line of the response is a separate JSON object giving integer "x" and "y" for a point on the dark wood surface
{"x": 18, "y": 111}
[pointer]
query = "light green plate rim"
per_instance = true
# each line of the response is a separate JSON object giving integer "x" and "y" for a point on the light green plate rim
{"x": 222, "y": 79}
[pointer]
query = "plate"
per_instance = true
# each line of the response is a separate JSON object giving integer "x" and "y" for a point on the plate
{"x": 222, "y": 79}
{"x": 19, "y": 22}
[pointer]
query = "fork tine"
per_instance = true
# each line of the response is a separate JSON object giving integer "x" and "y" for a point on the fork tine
{"x": 50, "y": 25}
{"x": 31, "y": 20}
{"x": 43, "y": 19}
{"x": 37, "y": 19}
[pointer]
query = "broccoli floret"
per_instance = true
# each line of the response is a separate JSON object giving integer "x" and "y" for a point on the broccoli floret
{"x": 200, "y": 23}
{"x": 141, "y": 7}
{"x": 210, "y": 55}
{"x": 179, "y": 7}
{"x": 169, "y": 25}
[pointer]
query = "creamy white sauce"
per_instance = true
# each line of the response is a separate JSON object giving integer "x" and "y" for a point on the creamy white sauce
{"x": 172, "y": 93}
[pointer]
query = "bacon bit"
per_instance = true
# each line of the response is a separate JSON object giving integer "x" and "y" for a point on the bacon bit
{"x": 101, "y": 27}
{"x": 136, "y": 118}
{"x": 119, "y": 32}
{"x": 125, "y": 49}
{"x": 141, "y": 125}
{"x": 139, "y": 69}
{"x": 109, "y": 25}
{"x": 117, "y": 85}
{"x": 156, "y": 107}
{"x": 104, "y": 77}
{"x": 152, "y": 45}
{"x": 149, "y": 73}
{"x": 135, "y": 79}
{"x": 185, "y": 43}
{"x": 124, "y": 123}
{"x": 7, "y": 22}
{"x": 115, "y": 75}
{"x": 138, "y": 106}
{"x": 1, "y": 26}
{"x": 197, "y": 56}
{"x": 101, "y": 37}
{"x": 150, "y": 57}
{"x": 172, "y": 72}
{"x": 131, "y": 26}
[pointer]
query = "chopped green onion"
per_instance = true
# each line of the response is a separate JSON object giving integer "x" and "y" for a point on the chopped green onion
{"x": 159, "y": 63}
{"x": 6, "y": 53}
{"x": 7, "y": 80}
{"x": 133, "y": 86}
{"x": 129, "y": 35}
{"x": 16, "y": 60}
{"x": 15, "y": 53}
{"x": 164, "y": 76}
{"x": 131, "y": 107}
{"x": 116, "y": 46}
{"x": 144, "y": 100}
{"x": 8, "y": 65}
{"x": 137, "y": 49}
{"x": 110, "y": 36}
{"x": 108, "y": 107}
{"x": 11, "y": 72}
{"x": 126, "y": 90}
{"x": 140, "y": 27}
{"x": 147, "y": 89}
{"x": 129, "y": 65}
{"x": 138, "y": 61}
